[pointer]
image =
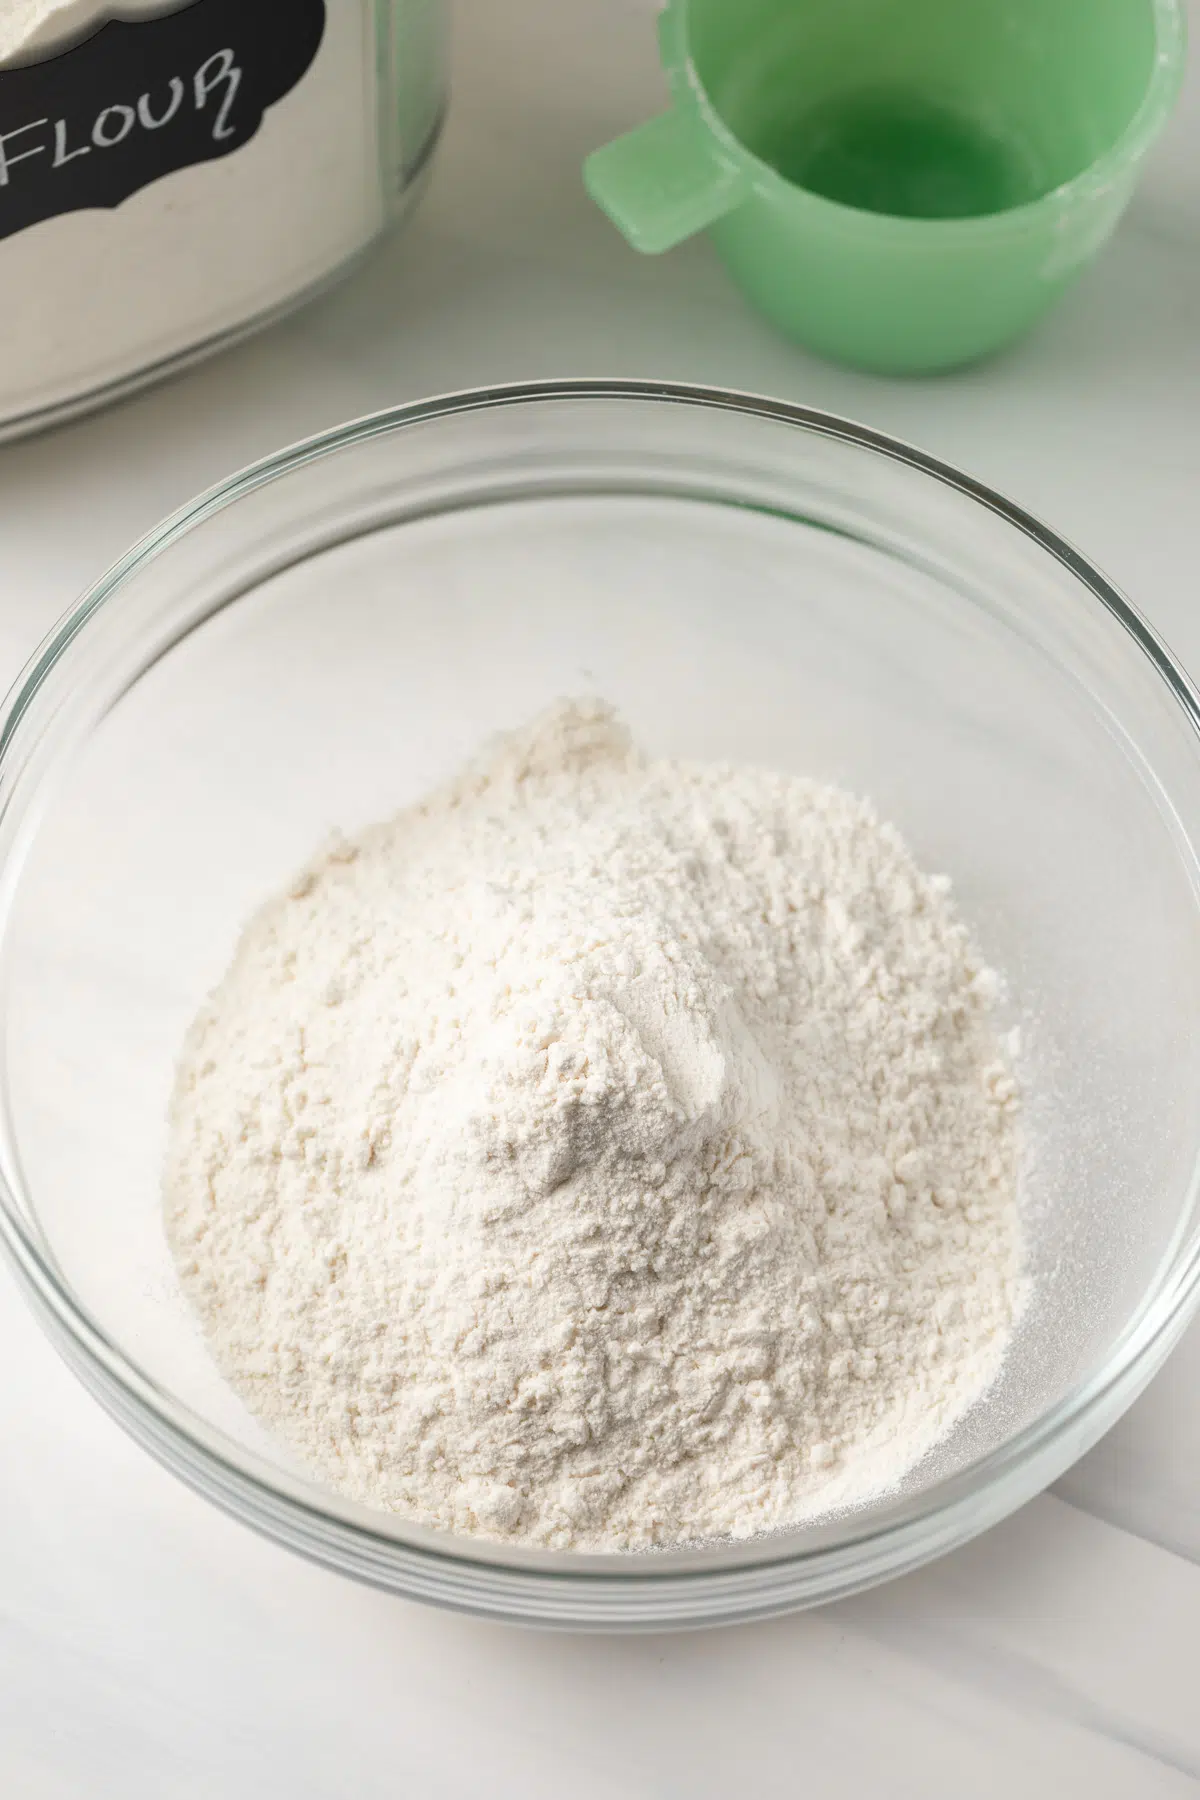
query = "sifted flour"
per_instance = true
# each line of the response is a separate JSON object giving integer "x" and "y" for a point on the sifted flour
{"x": 604, "y": 1154}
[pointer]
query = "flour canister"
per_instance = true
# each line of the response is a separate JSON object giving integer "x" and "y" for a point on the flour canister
{"x": 173, "y": 175}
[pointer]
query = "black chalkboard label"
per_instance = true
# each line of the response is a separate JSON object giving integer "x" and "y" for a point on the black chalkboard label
{"x": 137, "y": 100}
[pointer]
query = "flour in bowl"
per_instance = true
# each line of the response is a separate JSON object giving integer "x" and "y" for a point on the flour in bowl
{"x": 605, "y": 1154}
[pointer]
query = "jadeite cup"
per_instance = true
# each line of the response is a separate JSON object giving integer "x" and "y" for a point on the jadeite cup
{"x": 901, "y": 184}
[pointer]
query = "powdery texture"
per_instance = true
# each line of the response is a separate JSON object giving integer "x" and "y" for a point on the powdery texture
{"x": 604, "y": 1155}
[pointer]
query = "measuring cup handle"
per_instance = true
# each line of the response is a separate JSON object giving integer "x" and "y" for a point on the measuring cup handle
{"x": 664, "y": 181}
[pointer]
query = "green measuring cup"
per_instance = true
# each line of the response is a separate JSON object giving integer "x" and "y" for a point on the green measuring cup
{"x": 901, "y": 184}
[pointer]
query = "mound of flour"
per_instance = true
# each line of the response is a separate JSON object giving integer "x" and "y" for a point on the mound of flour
{"x": 604, "y": 1154}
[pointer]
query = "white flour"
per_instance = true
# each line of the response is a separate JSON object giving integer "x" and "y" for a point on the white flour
{"x": 603, "y": 1154}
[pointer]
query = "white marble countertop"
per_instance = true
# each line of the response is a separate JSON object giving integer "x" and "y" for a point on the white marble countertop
{"x": 148, "y": 1646}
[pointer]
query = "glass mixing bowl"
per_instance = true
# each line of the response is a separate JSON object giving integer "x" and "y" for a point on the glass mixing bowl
{"x": 317, "y": 642}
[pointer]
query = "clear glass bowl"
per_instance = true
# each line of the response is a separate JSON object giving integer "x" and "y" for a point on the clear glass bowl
{"x": 316, "y": 642}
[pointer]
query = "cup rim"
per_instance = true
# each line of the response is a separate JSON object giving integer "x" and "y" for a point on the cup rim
{"x": 1157, "y": 103}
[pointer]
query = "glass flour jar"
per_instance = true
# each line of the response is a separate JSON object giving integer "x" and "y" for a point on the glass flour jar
{"x": 174, "y": 175}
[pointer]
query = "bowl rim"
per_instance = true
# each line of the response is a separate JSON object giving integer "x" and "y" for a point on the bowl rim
{"x": 900, "y": 1535}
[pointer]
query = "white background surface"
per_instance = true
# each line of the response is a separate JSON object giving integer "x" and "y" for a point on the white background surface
{"x": 150, "y": 1648}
